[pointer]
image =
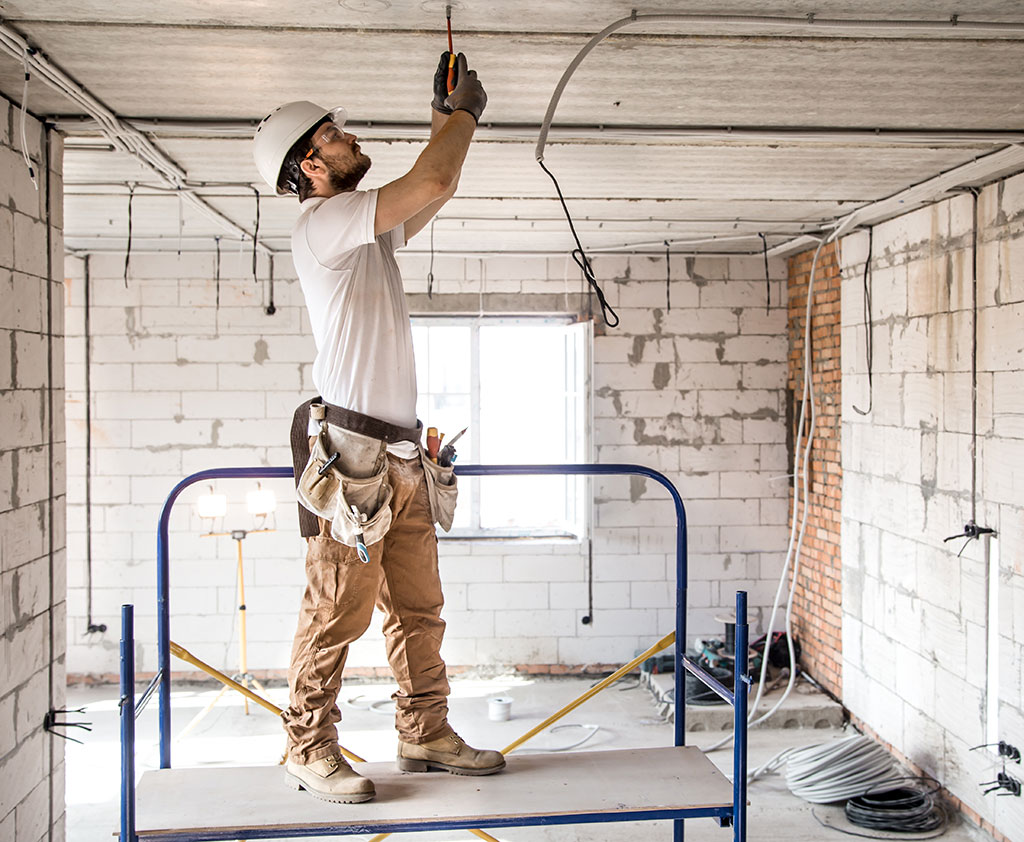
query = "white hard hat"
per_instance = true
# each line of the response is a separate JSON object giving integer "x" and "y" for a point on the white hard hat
{"x": 279, "y": 130}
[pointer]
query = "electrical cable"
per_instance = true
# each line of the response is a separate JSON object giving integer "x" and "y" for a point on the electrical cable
{"x": 837, "y": 770}
{"x": 430, "y": 271}
{"x": 270, "y": 309}
{"x": 795, "y": 537}
{"x": 591, "y": 730}
{"x": 24, "y": 114}
{"x": 869, "y": 335}
{"x": 767, "y": 279}
{"x": 581, "y": 259}
{"x": 843, "y": 830}
{"x": 810, "y": 21}
{"x": 255, "y": 235}
{"x": 216, "y": 271}
{"x": 668, "y": 277}
{"x": 121, "y": 134}
{"x": 128, "y": 248}
{"x": 181, "y": 221}
{"x": 902, "y": 809}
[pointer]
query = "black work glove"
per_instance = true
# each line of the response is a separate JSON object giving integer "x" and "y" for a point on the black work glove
{"x": 441, "y": 85}
{"x": 469, "y": 94}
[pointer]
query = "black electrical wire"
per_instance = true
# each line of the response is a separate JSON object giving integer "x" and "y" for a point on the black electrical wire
{"x": 588, "y": 618}
{"x": 217, "y": 271}
{"x": 767, "y": 280}
{"x": 270, "y": 309}
{"x": 581, "y": 259}
{"x": 128, "y": 248}
{"x": 869, "y": 337}
{"x": 668, "y": 277}
{"x": 916, "y": 808}
{"x": 430, "y": 271}
{"x": 255, "y": 234}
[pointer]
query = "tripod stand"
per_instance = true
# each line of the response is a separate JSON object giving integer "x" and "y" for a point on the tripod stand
{"x": 243, "y": 676}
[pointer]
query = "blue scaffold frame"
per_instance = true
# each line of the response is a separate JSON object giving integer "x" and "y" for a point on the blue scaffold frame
{"x": 734, "y": 814}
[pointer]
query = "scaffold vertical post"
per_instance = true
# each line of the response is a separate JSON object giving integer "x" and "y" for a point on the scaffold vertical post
{"x": 127, "y": 705}
{"x": 741, "y": 684}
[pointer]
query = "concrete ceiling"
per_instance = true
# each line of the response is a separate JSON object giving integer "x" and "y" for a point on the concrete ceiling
{"x": 823, "y": 121}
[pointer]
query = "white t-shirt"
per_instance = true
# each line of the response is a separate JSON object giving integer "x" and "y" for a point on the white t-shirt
{"x": 356, "y": 302}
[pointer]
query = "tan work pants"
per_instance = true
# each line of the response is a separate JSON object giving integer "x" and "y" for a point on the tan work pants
{"x": 402, "y": 579}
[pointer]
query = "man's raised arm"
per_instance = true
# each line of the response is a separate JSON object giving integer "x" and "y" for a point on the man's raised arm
{"x": 418, "y": 195}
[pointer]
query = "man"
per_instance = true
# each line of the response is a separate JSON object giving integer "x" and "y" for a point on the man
{"x": 373, "y": 541}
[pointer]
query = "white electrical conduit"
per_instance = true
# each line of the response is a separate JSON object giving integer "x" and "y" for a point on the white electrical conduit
{"x": 809, "y": 22}
{"x": 635, "y": 134}
{"x": 796, "y": 537}
{"x": 122, "y": 136}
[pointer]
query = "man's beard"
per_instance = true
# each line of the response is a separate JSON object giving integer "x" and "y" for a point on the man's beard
{"x": 345, "y": 180}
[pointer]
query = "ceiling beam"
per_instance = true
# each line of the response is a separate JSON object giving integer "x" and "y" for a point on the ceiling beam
{"x": 414, "y": 132}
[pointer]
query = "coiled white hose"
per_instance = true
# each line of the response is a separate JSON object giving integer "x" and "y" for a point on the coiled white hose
{"x": 838, "y": 770}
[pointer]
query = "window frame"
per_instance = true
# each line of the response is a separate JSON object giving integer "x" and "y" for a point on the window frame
{"x": 475, "y": 532}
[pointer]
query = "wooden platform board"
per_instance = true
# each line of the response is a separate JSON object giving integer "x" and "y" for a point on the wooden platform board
{"x": 229, "y": 802}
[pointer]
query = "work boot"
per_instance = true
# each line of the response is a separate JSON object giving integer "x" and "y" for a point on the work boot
{"x": 330, "y": 778}
{"x": 449, "y": 754}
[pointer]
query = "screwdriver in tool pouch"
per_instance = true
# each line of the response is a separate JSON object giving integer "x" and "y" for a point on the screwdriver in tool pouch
{"x": 447, "y": 455}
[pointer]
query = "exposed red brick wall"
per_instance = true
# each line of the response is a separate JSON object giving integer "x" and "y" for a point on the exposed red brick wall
{"x": 817, "y": 603}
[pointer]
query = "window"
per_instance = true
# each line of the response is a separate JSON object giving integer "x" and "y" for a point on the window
{"x": 518, "y": 386}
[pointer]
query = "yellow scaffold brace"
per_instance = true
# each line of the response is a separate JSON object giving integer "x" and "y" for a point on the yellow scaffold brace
{"x": 184, "y": 655}
{"x": 664, "y": 643}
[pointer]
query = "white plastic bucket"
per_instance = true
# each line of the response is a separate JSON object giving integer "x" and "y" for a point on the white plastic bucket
{"x": 499, "y": 708}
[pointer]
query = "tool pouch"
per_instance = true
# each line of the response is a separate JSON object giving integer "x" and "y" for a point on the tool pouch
{"x": 347, "y": 469}
{"x": 443, "y": 490}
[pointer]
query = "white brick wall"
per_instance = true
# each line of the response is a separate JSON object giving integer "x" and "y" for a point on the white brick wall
{"x": 914, "y": 613}
{"x": 32, "y": 561}
{"x": 179, "y": 386}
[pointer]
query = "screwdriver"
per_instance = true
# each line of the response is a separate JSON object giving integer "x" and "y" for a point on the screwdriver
{"x": 451, "y": 50}
{"x": 447, "y": 454}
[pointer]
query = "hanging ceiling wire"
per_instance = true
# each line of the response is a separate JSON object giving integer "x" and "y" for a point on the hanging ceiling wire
{"x": 24, "y": 114}
{"x": 255, "y": 235}
{"x": 810, "y": 21}
{"x": 767, "y": 279}
{"x": 128, "y": 247}
{"x": 430, "y": 271}
{"x": 668, "y": 277}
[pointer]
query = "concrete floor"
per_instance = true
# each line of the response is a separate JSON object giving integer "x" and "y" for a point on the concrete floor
{"x": 628, "y": 718}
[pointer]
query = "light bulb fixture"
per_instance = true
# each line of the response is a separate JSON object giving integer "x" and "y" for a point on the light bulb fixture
{"x": 211, "y": 505}
{"x": 261, "y": 501}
